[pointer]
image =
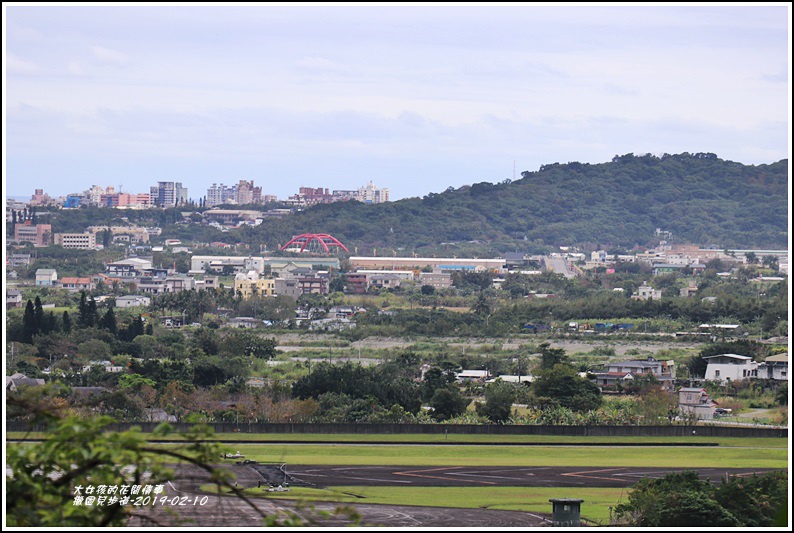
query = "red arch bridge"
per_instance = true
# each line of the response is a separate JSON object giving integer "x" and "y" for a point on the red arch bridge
{"x": 322, "y": 242}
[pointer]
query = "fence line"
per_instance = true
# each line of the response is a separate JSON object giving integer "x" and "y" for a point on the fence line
{"x": 463, "y": 429}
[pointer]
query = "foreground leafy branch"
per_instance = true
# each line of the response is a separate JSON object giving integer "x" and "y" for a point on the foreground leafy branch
{"x": 47, "y": 478}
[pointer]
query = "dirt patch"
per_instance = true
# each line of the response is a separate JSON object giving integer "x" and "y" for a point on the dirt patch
{"x": 621, "y": 347}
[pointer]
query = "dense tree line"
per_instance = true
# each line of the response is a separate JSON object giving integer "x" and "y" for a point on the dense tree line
{"x": 682, "y": 499}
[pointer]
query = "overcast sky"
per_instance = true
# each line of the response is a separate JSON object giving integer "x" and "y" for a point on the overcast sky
{"x": 414, "y": 98}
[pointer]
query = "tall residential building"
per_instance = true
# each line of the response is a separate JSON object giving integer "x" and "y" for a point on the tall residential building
{"x": 94, "y": 194}
{"x": 248, "y": 194}
{"x": 369, "y": 194}
{"x": 315, "y": 196}
{"x": 168, "y": 194}
{"x": 221, "y": 194}
{"x": 40, "y": 198}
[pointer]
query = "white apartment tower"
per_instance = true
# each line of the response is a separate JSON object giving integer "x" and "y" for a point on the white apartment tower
{"x": 369, "y": 194}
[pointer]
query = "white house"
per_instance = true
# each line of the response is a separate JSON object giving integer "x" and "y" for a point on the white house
{"x": 244, "y": 322}
{"x": 472, "y": 375}
{"x": 123, "y": 302}
{"x": 509, "y": 378}
{"x": 730, "y": 367}
{"x": 46, "y": 277}
{"x": 646, "y": 292}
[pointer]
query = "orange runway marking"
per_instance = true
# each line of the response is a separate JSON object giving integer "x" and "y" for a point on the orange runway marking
{"x": 583, "y": 474}
{"x": 413, "y": 473}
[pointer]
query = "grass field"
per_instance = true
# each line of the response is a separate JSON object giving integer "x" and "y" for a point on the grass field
{"x": 476, "y": 439}
{"x": 595, "y": 508}
{"x": 417, "y": 455}
{"x": 464, "y": 450}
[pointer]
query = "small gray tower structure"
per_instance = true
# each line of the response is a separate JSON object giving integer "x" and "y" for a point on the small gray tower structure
{"x": 565, "y": 512}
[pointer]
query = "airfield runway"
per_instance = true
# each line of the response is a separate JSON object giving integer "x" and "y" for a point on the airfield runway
{"x": 230, "y": 511}
{"x": 492, "y": 476}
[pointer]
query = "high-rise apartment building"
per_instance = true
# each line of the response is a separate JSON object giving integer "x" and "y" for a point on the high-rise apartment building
{"x": 168, "y": 194}
{"x": 369, "y": 194}
{"x": 221, "y": 194}
{"x": 248, "y": 194}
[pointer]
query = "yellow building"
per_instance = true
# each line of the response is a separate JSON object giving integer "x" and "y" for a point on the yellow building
{"x": 248, "y": 285}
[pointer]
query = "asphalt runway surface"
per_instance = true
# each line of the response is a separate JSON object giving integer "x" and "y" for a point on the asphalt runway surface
{"x": 495, "y": 476}
{"x": 231, "y": 511}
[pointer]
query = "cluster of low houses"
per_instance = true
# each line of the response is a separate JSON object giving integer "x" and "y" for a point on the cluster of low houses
{"x": 692, "y": 401}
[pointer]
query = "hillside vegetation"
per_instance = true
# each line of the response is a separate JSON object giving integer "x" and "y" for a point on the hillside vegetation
{"x": 698, "y": 197}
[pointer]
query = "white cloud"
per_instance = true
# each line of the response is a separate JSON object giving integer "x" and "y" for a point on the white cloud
{"x": 17, "y": 65}
{"x": 319, "y": 63}
{"x": 107, "y": 55}
{"x": 407, "y": 87}
{"x": 75, "y": 69}
{"x": 23, "y": 32}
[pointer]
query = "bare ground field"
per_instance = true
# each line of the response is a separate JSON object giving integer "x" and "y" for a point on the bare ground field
{"x": 287, "y": 343}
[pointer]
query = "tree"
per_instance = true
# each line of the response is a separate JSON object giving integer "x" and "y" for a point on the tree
{"x": 482, "y": 307}
{"x": 563, "y": 386}
{"x": 134, "y": 328}
{"x": 249, "y": 345}
{"x": 770, "y": 261}
{"x": 94, "y": 349}
{"x": 66, "y": 323}
{"x": 757, "y": 500}
{"x": 88, "y": 315}
{"x": 436, "y": 378}
{"x": 134, "y": 382}
{"x": 29, "y": 323}
{"x": 550, "y": 357}
{"x": 38, "y": 312}
{"x": 49, "y": 481}
{"x": 108, "y": 321}
{"x": 696, "y": 366}
{"x": 447, "y": 403}
{"x": 427, "y": 290}
{"x": 499, "y": 397}
{"x": 683, "y": 499}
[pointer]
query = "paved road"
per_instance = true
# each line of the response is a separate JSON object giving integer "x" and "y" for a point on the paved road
{"x": 559, "y": 265}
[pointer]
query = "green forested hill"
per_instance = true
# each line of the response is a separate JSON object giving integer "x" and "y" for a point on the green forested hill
{"x": 700, "y": 198}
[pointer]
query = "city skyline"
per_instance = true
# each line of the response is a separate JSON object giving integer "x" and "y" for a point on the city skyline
{"x": 173, "y": 193}
{"x": 414, "y": 98}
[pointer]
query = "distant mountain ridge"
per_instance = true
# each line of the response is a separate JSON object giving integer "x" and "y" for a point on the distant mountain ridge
{"x": 698, "y": 197}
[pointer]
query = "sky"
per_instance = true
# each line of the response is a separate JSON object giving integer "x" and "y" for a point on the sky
{"x": 415, "y": 98}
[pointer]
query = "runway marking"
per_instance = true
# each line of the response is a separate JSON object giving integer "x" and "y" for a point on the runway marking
{"x": 331, "y": 479}
{"x": 479, "y": 475}
{"x": 583, "y": 474}
{"x": 413, "y": 473}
